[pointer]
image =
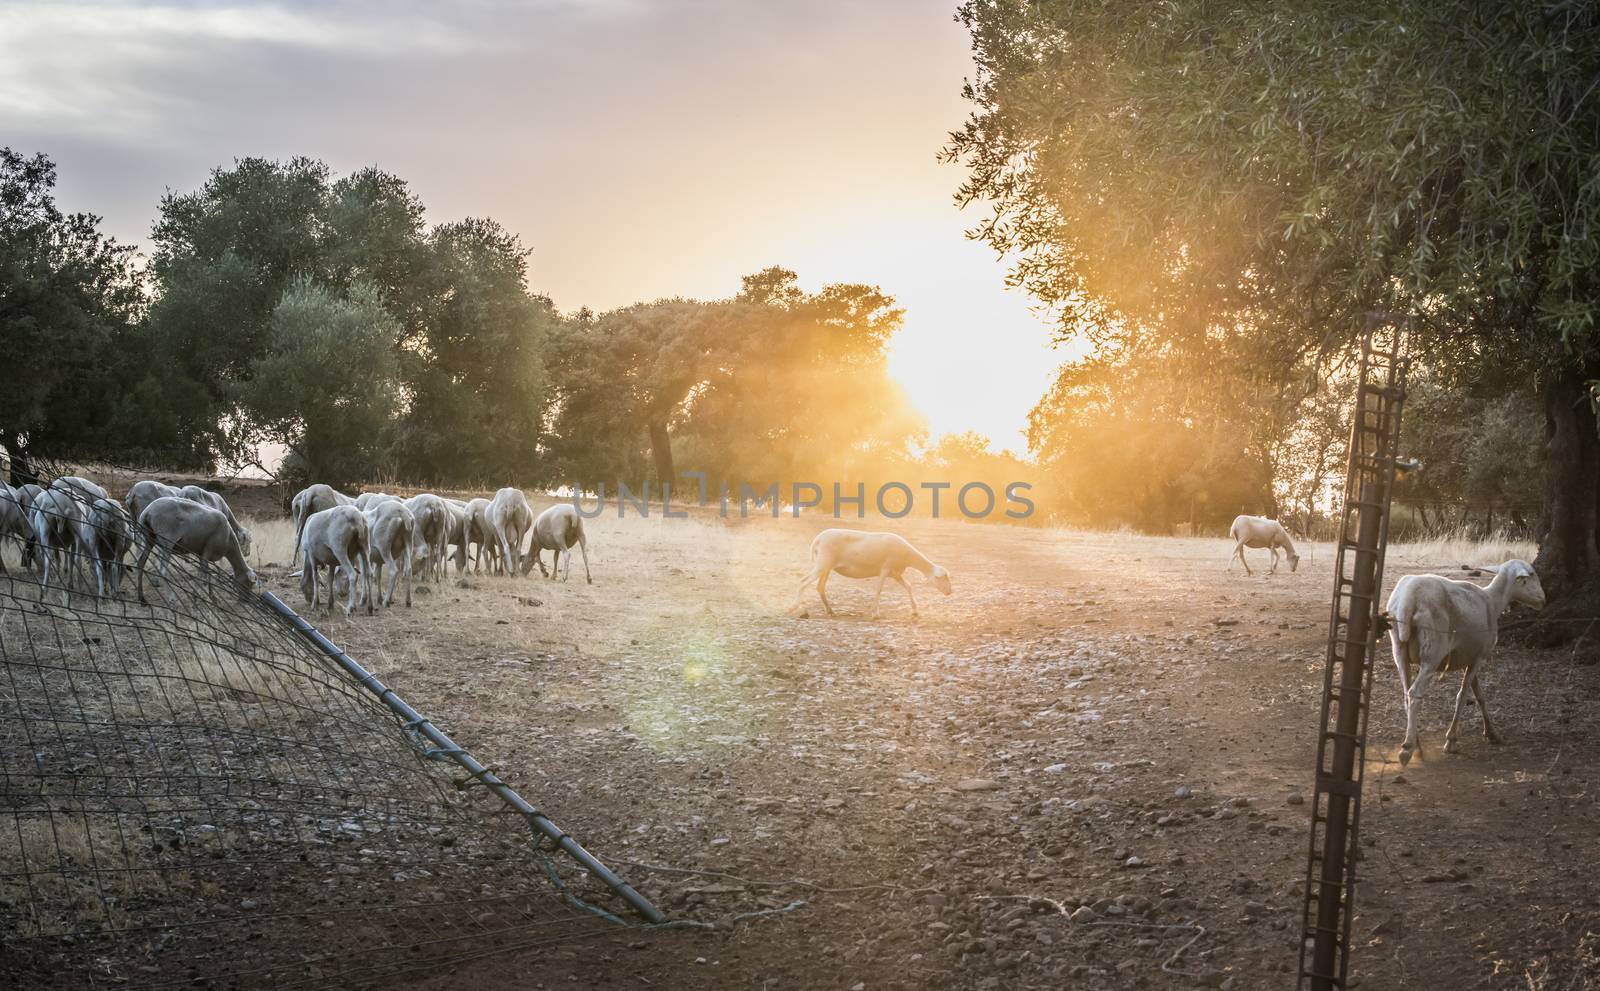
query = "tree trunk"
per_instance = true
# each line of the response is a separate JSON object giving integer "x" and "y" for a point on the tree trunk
{"x": 661, "y": 451}
{"x": 1569, "y": 559}
{"x": 22, "y": 472}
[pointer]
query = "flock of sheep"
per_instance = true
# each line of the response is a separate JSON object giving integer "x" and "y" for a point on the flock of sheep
{"x": 73, "y": 523}
{"x": 1437, "y": 625}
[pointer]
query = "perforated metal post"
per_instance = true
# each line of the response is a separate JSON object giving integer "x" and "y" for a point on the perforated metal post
{"x": 1353, "y": 626}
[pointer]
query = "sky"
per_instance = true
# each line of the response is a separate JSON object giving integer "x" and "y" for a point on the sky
{"x": 641, "y": 148}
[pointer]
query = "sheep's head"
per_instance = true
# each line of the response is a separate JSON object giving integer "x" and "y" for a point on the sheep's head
{"x": 940, "y": 579}
{"x": 1294, "y": 562}
{"x": 1525, "y": 587}
{"x": 244, "y": 541}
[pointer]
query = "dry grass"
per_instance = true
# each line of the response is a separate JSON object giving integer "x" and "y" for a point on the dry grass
{"x": 1458, "y": 548}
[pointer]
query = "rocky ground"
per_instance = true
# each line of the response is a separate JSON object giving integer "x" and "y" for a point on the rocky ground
{"x": 1090, "y": 766}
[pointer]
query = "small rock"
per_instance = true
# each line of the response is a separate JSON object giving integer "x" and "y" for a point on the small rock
{"x": 248, "y": 904}
{"x": 1295, "y": 799}
{"x": 1055, "y": 769}
{"x": 1133, "y": 862}
{"x": 977, "y": 784}
{"x": 1182, "y": 792}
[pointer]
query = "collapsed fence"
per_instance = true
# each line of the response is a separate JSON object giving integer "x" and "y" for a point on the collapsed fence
{"x": 198, "y": 790}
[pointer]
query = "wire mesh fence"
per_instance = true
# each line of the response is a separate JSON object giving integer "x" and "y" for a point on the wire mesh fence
{"x": 190, "y": 791}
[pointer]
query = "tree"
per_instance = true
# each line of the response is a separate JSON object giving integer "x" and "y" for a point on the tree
{"x": 326, "y": 384}
{"x": 68, "y": 294}
{"x": 1268, "y": 172}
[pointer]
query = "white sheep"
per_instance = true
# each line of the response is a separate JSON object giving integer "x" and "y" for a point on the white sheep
{"x": 56, "y": 512}
{"x": 861, "y": 554}
{"x": 313, "y": 499}
{"x": 482, "y": 533}
{"x": 365, "y": 500}
{"x": 1439, "y": 625}
{"x": 84, "y": 490}
{"x": 557, "y": 529}
{"x": 1258, "y": 532}
{"x": 338, "y": 539}
{"x": 206, "y": 497}
{"x": 459, "y": 535}
{"x": 392, "y": 529}
{"x": 103, "y": 541}
{"x": 26, "y": 494}
{"x": 143, "y": 492}
{"x": 433, "y": 530}
{"x": 14, "y": 523}
{"x": 510, "y": 517}
{"x": 182, "y": 526}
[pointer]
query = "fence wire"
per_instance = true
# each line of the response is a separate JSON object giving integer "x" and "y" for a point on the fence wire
{"x": 189, "y": 793}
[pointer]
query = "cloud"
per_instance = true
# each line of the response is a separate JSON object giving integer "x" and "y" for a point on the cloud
{"x": 121, "y": 68}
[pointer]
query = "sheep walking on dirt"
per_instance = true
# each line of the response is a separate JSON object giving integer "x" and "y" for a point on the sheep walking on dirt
{"x": 392, "y": 529}
{"x": 1258, "y": 532}
{"x": 182, "y": 526}
{"x": 510, "y": 517}
{"x": 1440, "y": 625}
{"x": 312, "y": 499}
{"x": 556, "y": 530}
{"x": 337, "y": 539}
{"x": 103, "y": 541}
{"x": 861, "y": 554}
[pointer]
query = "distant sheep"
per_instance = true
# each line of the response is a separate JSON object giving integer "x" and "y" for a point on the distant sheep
{"x": 392, "y": 529}
{"x": 206, "y": 497}
{"x": 312, "y": 499}
{"x": 1259, "y": 532}
{"x": 557, "y": 529}
{"x": 182, "y": 526}
{"x": 511, "y": 518}
{"x": 432, "y": 517}
{"x": 103, "y": 539}
{"x": 337, "y": 539}
{"x": 861, "y": 554}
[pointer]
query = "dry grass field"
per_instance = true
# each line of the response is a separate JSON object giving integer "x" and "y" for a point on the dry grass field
{"x": 1086, "y": 766}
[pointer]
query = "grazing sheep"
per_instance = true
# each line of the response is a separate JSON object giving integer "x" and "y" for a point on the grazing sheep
{"x": 860, "y": 554}
{"x": 392, "y": 529}
{"x": 56, "y": 512}
{"x": 84, "y": 490}
{"x": 510, "y": 517}
{"x": 433, "y": 530}
{"x": 103, "y": 541}
{"x": 206, "y": 497}
{"x": 26, "y": 494}
{"x": 13, "y": 522}
{"x": 1257, "y": 532}
{"x": 557, "y": 529}
{"x": 182, "y": 526}
{"x": 313, "y": 499}
{"x": 482, "y": 533}
{"x": 459, "y": 536}
{"x": 365, "y": 500}
{"x": 1440, "y": 625}
{"x": 338, "y": 539}
{"x": 143, "y": 492}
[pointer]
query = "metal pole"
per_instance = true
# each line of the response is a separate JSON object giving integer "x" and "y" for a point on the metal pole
{"x": 1342, "y": 775}
{"x": 448, "y": 748}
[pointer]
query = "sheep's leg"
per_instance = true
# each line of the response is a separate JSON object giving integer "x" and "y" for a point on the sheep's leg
{"x": 555, "y": 563}
{"x": 800, "y": 597}
{"x": 1426, "y": 666}
{"x": 1483, "y": 709}
{"x": 822, "y": 591}
{"x": 1402, "y": 663}
{"x": 909, "y": 594}
{"x": 1455, "y": 718}
{"x": 1238, "y": 550}
{"x": 877, "y": 600}
{"x": 583, "y": 545}
{"x": 1274, "y": 569}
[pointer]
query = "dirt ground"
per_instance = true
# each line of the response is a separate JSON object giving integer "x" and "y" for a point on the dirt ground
{"x": 1088, "y": 766}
